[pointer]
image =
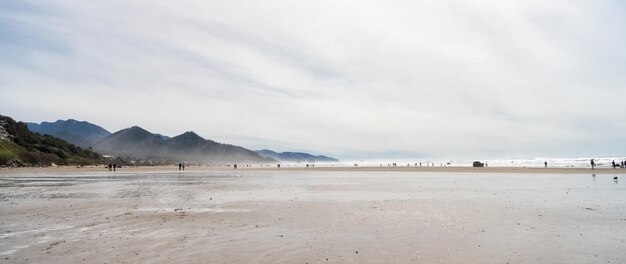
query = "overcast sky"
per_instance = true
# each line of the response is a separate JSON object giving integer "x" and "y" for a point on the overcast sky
{"x": 352, "y": 79}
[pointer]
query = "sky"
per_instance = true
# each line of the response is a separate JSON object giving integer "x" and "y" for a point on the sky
{"x": 351, "y": 79}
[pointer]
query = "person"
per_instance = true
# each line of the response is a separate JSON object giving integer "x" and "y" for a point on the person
{"x": 114, "y": 166}
{"x": 180, "y": 166}
{"x": 545, "y": 164}
{"x": 613, "y": 163}
{"x": 235, "y": 166}
{"x": 110, "y": 167}
{"x": 183, "y": 166}
{"x": 278, "y": 166}
{"x": 593, "y": 164}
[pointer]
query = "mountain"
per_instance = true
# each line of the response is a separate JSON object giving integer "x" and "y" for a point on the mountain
{"x": 130, "y": 142}
{"x": 21, "y": 147}
{"x": 295, "y": 156}
{"x": 137, "y": 143}
{"x": 80, "y": 133}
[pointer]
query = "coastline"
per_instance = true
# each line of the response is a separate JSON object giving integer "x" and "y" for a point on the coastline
{"x": 448, "y": 169}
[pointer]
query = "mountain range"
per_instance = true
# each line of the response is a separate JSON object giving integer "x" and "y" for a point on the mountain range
{"x": 139, "y": 144}
{"x": 80, "y": 133}
{"x": 295, "y": 156}
{"x": 21, "y": 147}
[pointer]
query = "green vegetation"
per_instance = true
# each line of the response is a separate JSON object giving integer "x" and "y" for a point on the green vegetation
{"x": 21, "y": 147}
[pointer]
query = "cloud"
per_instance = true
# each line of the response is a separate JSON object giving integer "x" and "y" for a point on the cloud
{"x": 346, "y": 78}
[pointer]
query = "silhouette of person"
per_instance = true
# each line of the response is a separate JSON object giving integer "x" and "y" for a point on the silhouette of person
{"x": 278, "y": 166}
{"x": 545, "y": 164}
{"x": 613, "y": 164}
{"x": 235, "y": 166}
{"x": 180, "y": 166}
{"x": 593, "y": 164}
{"x": 183, "y": 166}
{"x": 114, "y": 166}
{"x": 110, "y": 167}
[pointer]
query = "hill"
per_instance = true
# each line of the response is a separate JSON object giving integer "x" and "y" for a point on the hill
{"x": 80, "y": 133}
{"x": 295, "y": 156}
{"x": 21, "y": 147}
{"x": 137, "y": 143}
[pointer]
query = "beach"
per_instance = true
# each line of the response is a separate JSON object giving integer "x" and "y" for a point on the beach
{"x": 322, "y": 168}
{"x": 313, "y": 215}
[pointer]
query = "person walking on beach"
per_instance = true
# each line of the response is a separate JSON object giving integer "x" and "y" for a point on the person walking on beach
{"x": 593, "y": 164}
{"x": 110, "y": 167}
{"x": 545, "y": 164}
{"x": 180, "y": 166}
{"x": 235, "y": 166}
{"x": 114, "y": 166}
{"x": 613, "y": 163}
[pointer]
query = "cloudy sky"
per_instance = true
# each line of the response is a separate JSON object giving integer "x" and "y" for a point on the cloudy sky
{"x": 352, "y": 79}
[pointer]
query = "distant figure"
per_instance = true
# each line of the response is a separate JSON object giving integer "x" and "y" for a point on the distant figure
{"x": 114, "y": 166}
{"x": 180, "y": 166}
{"x": 545, "y": 164}
{"x": 613, "y": 163}
{"x": 593, "y": 164}
{"x": 307, "y": 165}
{"x": 278, "y": 166}
{"x": 110, "y": 167}
{"x": 183, "y": 166}
{"x": 235, "y": 166}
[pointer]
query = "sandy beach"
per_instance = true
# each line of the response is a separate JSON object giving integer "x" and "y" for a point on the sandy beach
{"x": 326, "y": 168}
{"x": 320, "y": 215}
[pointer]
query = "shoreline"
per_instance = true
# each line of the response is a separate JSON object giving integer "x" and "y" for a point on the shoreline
{"x": 448, "y": 169}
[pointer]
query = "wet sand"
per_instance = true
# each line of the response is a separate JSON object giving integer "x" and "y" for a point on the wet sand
{"x": 322, "y": 168}
{"x": 326, "y": 215}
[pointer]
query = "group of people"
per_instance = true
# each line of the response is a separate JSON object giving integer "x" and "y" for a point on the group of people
{"x": 112, "y": 166}
{"x": 181, "y": 166}
{"x": 614, "y": 164}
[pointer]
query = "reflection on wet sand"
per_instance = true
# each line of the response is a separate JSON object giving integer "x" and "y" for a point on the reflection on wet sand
{"x": 312, "y": 217}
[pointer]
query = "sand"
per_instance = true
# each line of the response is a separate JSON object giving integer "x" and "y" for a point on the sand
{"x": 321, "y": 215}
{"x": 323, "y": 168}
